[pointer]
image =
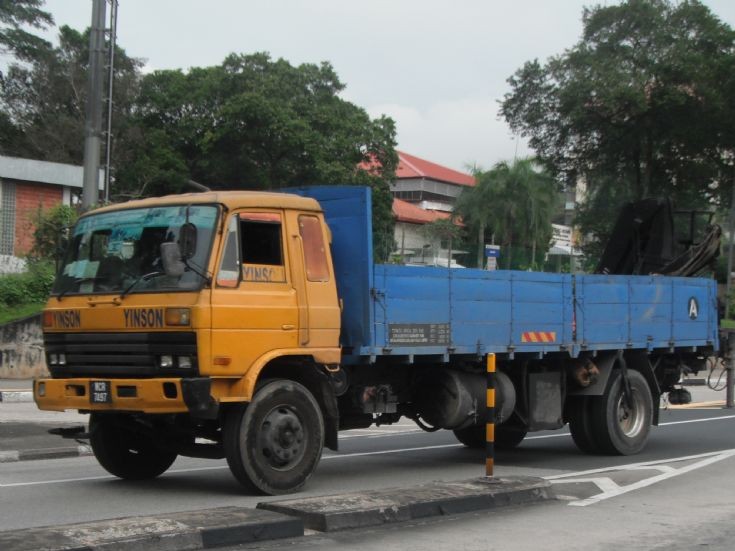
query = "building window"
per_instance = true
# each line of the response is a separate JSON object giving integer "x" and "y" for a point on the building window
{"x": 7, "y": 218}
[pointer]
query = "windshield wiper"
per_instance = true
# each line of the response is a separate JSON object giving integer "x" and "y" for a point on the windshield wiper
{"x": 144, "y": 277}
{"x": 78, "y": 281}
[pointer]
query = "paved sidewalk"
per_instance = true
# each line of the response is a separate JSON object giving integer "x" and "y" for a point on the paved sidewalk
{"x": 24, "y": 428}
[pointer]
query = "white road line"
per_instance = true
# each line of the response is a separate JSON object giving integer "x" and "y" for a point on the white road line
{"x": 194, "y": 469}
{"x": 653, "y": 480}
{"x": 641, "y": 464}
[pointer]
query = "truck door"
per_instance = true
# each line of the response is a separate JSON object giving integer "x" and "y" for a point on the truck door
{"x": 313, "y": 276}
{"x": 254, "y": 304}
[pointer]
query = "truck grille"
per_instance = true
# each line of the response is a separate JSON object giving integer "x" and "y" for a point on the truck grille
{"x": 119, "y": 354}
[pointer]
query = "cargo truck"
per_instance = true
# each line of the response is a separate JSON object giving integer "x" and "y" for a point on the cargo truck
{"x": 255, "y": 326}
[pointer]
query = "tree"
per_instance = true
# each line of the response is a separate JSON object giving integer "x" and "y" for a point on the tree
{"x": 14, "y": 15}
{"x": 256, "y": 123}
{"x": 640, "y": 106}
{"x": 43, "y": 101}
{"x": 515, "y": 203}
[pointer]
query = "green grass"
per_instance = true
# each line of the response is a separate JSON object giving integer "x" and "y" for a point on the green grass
{"x": 727, "y": 324}
{"x": 12, "y": 313}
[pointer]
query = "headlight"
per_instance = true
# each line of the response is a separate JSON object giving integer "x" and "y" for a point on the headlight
{"x": 62, "y": 359}
{"x": 53, "y": 359}
{"x": 178, "y": 316}
{"x": 166, "y": 361}
{"x": 184, "y": 362}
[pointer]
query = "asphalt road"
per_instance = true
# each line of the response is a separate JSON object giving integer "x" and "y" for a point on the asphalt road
{"x": 38, "y": 493}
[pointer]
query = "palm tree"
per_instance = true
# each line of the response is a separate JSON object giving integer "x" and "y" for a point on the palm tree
{"x": 515, "y": 202}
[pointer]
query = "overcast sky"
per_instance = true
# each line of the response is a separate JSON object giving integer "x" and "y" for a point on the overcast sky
{"x": 438, "y": 68}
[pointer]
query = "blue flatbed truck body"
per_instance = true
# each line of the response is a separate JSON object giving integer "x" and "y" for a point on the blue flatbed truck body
{"x": 410, "y": 311}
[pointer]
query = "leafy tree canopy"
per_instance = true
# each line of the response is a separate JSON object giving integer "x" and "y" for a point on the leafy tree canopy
{"x": 14, "y": 39}
{"x": 640, "y": 106}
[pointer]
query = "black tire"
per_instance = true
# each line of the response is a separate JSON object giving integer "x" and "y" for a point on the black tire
{"x": 580, "y": 424}
{"x": 274, "y": 444}
{"x": 126, "y": 453}
{"x": 506, "y": 438}
{"x": 620, "y": 430}
{"x": 472, "y": 437}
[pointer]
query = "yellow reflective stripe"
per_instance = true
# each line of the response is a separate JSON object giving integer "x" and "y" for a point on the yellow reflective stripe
{"x": 491, "y": 397}
{"x": 491, "y": 363}
{"x": 490, "y": 432}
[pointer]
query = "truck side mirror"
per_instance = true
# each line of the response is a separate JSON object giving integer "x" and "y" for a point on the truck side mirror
{"x": 173, "y": 264}
{"x": 187, "y": 240}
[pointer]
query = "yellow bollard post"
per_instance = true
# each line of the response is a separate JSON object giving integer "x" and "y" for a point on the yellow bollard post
{"x": 490, "y": 417}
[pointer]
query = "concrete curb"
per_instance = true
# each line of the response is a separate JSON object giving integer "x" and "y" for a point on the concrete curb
{"x": 180, "y": 531}
{"x": 377, "y": 507}
{"x": 44, "y": 453}
{"x": 16, "y": 396}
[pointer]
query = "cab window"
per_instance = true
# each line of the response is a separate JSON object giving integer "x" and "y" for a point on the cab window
{"x": 261, "y": 247}
{"x": 315, "y": 254}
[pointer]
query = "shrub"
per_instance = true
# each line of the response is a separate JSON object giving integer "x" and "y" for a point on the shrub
{"x": 33, "y": 286}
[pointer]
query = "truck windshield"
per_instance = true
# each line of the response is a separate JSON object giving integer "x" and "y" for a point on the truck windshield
{"x": 110, "y": 251}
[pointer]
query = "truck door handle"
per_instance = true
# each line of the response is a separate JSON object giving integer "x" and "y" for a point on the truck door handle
{"x": 288, "y": 327}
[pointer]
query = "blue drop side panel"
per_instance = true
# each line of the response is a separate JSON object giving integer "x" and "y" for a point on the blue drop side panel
{"x": 644, "y": 312}
{"x": 490, "y": 311}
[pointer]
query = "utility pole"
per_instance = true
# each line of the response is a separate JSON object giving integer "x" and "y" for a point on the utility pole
{"x": 731, "y": 231}
{"x": 110, "y": 83}
{"x": 93, "y": 118}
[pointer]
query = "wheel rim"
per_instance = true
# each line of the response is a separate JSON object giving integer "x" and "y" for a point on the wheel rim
{"x": 631, "y": 420}
{"x": 282, "y": 438}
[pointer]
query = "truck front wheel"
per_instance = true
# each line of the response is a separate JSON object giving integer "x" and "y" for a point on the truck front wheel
{"x": 621, "y": 426}
{"x": 124, "y": 452}
{"x": 274, "y": 443}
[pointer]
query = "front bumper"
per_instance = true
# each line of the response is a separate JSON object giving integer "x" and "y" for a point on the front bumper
{"x": 169, "y": 395}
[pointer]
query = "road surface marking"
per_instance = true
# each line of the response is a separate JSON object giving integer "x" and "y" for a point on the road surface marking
{"x": 614, "y": 492}
{"x": 612, "y": 489}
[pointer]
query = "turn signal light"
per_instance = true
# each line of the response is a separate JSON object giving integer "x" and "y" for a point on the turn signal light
{"x": 178, "y": 316}
{"x": 48, "y": 319}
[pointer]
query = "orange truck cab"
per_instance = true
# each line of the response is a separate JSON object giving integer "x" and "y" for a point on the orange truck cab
{"x": 167, "y": 311}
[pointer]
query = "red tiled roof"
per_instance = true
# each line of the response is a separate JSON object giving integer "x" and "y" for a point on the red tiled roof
{"x": 407, "y": 212}
{"x": 414, "y": 167}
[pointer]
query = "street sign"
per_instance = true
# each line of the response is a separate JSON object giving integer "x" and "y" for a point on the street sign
{"x": 492, "y": 251}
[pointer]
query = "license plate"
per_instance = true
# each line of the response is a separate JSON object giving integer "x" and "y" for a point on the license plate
{"x": 100, "y": 392}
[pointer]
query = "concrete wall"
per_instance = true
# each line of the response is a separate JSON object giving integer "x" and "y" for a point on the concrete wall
{"x": 21, "y": 349}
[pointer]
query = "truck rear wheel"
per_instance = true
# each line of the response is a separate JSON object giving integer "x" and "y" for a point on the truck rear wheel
{"x": 621, "y": 428}
{"x": 274, "y": 443}
{"x": 580, "y": 424}
{"x": 126, "y": 453}
{"x": 506, "y": 438}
